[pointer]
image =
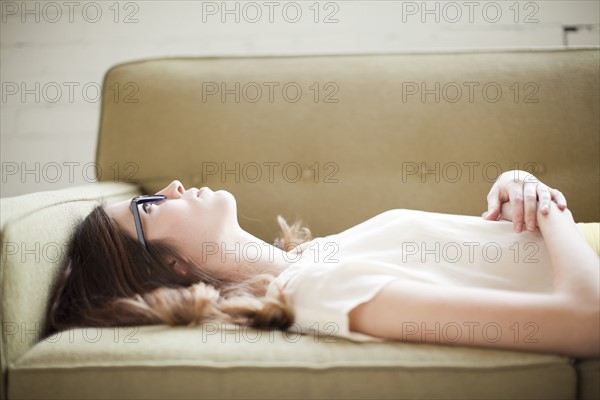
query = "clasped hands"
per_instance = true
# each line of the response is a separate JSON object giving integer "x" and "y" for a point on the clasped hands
{"x": 516, "y": 196}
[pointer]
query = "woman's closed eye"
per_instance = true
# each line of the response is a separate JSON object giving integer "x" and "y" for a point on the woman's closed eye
{"x": 147, "y": 206}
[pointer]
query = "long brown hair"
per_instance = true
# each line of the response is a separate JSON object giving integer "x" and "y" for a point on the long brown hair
{"x": 107, "y": 281}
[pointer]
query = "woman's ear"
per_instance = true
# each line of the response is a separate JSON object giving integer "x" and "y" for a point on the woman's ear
{"x": 180, "y": 269}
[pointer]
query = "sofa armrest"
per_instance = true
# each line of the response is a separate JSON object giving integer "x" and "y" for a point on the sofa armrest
{"x": 35, "y": 229}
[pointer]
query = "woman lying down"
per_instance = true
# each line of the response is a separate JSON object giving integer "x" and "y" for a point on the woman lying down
{"x": 180, "y": 257}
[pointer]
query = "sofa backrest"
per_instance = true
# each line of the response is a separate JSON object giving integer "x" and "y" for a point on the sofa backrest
{"x": 35, "y": 230}
{"x": 334, "y": 140}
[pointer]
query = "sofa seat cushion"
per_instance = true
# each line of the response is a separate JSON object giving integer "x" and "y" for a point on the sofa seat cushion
{"x": 222, "y": 361}
{"x": 588, "y": 379}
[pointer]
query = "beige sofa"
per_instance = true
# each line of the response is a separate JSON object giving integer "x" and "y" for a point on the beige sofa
{"x": 333, "y": 140}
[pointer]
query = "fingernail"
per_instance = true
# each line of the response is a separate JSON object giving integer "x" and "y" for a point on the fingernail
{"x": 545, "y": 207}
{"x": 485, "y": 214}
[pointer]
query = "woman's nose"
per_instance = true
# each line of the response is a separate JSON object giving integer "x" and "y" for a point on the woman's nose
{"x": 173, "y": 190}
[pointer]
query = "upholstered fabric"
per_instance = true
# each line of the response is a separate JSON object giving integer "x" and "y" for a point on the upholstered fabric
{"x": 202, "y": 362}
{"x": 588, "y": 379}
{"x": 35, "y": 232}
{"x": 363, "y": 144}
{"x": 334, "y": 158}
{"x": 591, "y": 232}
{"x": 217, "y": 361}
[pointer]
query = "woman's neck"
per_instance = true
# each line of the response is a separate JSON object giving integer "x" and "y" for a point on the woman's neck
{"x": 239, "y": 255}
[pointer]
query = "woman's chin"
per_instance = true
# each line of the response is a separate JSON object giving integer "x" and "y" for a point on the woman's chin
{"x": 227, "y": 197}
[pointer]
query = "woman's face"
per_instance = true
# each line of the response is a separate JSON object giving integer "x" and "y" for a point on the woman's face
{"x": 186, "y": 219}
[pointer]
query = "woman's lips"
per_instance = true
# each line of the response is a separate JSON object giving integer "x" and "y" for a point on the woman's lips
{"x": 203, "y": 190}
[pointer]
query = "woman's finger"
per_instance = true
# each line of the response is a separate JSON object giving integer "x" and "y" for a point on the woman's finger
{"x": 544, "y": 196}
{"x": 493, "y": 199}
{"x": 559, "y": 198}
{"x": 530, "y": 203}
{"x": 515, "y": 194}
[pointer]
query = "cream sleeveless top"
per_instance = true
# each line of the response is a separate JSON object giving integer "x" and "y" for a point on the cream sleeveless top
{"x": 336, "y": 273}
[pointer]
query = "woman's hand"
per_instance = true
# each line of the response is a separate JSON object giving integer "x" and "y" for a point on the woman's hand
{"x": 516, "y": 196}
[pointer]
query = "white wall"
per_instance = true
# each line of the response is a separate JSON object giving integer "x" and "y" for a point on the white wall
{"x": 51, "y": 51}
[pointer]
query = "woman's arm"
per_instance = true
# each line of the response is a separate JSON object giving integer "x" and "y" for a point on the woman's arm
{"x": 576, "y": 265}
{"x": 564, "y": 322}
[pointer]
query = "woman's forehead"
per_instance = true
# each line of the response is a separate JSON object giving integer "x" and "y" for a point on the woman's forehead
{"x": 117, "y": 207}
{"x": 121, "y": 213}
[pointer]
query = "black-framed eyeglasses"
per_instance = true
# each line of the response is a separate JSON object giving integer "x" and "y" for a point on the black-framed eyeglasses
{"x": 144, "y": 200}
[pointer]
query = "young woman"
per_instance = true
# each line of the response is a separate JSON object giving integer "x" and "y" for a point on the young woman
{"x": 181, "y": 257}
